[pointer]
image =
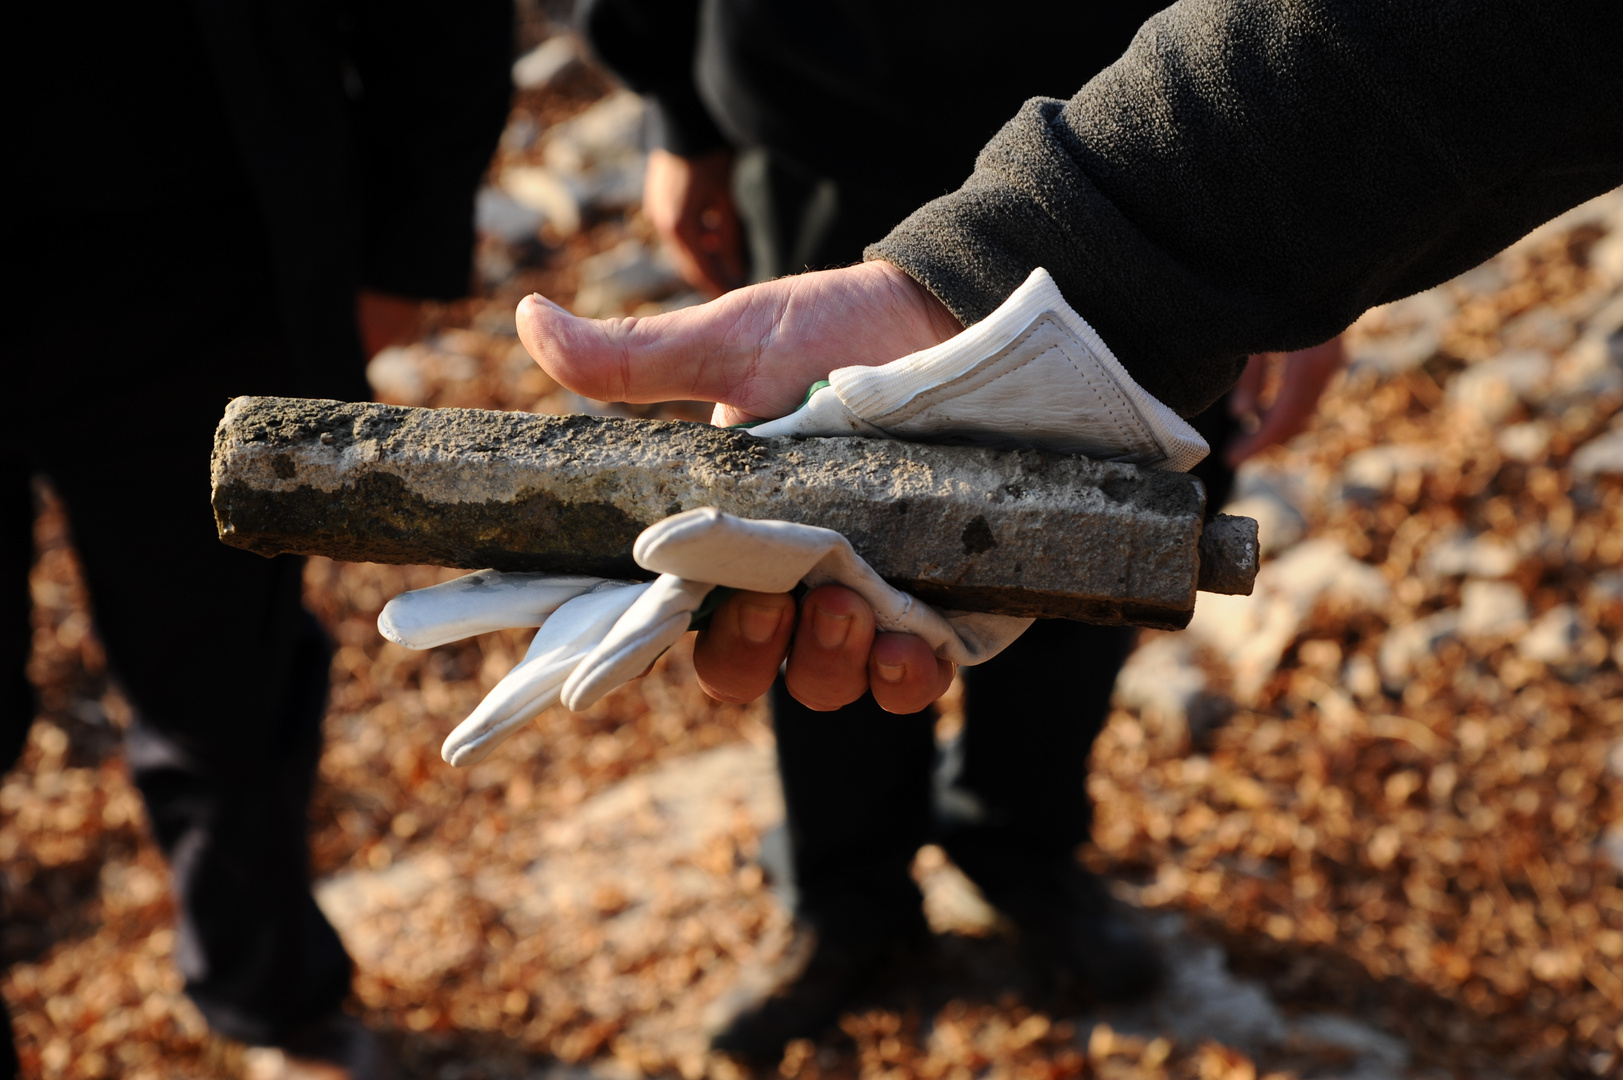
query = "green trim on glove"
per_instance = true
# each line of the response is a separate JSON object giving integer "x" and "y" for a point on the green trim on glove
{"x": 816, "y": 386}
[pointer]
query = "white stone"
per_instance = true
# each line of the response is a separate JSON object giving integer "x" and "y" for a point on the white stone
{"x": 1605, "y": 588}
{"x": 1491, "y": 609}
{"x": 611, "y": 128}
{"x": 1252, "y": 632}
{"x": 619, "y": 279}
{"x": 1540, "y": 327}
{"x": 1395, "y": 353}
{"x": 1556, "y": 636}
{"x": 543, "y": 64}
{"x": 1484, "y": 556}
{"x": 1610, "y": 845}
{"x": 1493, "y": 389}
{"x": 1525, "y": 442}
{"x": 1601, "y": 456}
{"x": 1592, "y": 368}
{"x": 1376, "y": 1052}
{"x": 1161, "y": 677}
{"x": 1404, "y": 645}
{"x": 499, "y": 214}
{"x": 538, "y": 190}
{"x": 1279, "y": 524}
{"x": 519, "y": 134}
{"x": 404, "y": 375}
{"x": 1371, "y": 472}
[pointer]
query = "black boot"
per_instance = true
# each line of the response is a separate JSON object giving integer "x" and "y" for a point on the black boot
{"x": 1069, "y": 924}
{"x": 821, "y": 972}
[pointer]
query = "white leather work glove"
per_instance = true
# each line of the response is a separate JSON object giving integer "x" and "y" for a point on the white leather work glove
{"x": 596, "y": 634}
{"x": 1032, "y": 373}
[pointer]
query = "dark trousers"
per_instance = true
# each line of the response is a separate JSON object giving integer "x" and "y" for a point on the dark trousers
{"x": 860, "y": 784}
{"x": 225, "y": 669}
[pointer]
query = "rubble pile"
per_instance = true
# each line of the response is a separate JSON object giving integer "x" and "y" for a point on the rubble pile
{"x": 1375, "y": 811}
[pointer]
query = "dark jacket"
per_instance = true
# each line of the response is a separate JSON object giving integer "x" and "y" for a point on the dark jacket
{"x": 299, "y": 150}
{"x": 1254, "y": 174}
{"x": 880, "y": 95}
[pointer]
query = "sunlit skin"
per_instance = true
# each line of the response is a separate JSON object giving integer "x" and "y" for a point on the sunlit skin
{"x": 689, "y": 202}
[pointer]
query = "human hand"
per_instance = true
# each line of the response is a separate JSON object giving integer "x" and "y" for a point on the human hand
{"x": 384, "y": 319}
{"x": 1306, "y": 374}
{"x": 753, "y": 351}
{"x": 689, "y": 202}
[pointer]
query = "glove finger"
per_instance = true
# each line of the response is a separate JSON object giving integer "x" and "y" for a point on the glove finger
{"x": 568, "y": 635}
{"x": 757, "y": 556}
{"x": 476, "y": 604}
{"x": 524, "y": 692}
{"x": 660, "y": 616}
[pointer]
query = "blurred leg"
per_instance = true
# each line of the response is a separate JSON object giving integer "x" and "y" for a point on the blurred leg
{"x": 16, "y": 633}
{"x": 1031, "y": 716}
{"x": 856, "y": 781}
{"x": 228, "y": 676}
{"x": 856, "y": 789}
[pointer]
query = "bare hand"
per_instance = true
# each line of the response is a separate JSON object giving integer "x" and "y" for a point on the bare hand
{"x": 754, "y": 352}
{"x": 834, "y": 653}
{"x": 689, "y": 202}
{"x": 384, "y": 319}
{"x": 1305, "y": 376}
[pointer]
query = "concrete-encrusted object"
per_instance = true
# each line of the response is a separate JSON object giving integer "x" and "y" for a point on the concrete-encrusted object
{"x": 1018, "y": 532}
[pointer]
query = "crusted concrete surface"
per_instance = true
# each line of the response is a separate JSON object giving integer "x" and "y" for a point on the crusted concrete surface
{"x": 1015, "y": 532}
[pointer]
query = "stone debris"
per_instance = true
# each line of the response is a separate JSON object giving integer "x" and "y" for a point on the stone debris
{"x": 1251, "y": 633}
{"x": 629, "y": 856}
{"x": 1487, "y": 393}
{"x": 497, "y": 213}
{"x": 1527, "y": 443}
{"x": 1602, "y": 456}
{"x": 1481, "y": 556}
{"x": 407, "y": 375}
{"x": 1372, "y": 473}
{"x": 542, "y": 65}
{"x": 623, "y": 279}
{"x": 1559, "y": 637}
{"x": 1492, "y": 610}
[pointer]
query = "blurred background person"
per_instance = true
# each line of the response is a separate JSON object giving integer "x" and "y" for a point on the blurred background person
{"x": 291, "y": 180}
{"x": 788, "y": 137}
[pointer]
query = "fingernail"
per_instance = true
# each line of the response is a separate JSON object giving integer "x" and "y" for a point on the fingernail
{"x": 758, "y": 623}
{"x": 830, "y": 630}
{"x": 891, "y": 673}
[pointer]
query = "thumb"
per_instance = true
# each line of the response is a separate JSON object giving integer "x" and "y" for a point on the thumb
{"x": 658, "y": 358}
{"x": 755, "y": 349}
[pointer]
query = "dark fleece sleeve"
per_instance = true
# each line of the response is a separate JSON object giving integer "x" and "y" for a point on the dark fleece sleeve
{"x": 1254, "y": 174}
{"x": 434, "y": 88}
{"x": 650, "y": 46}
